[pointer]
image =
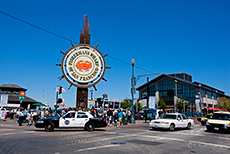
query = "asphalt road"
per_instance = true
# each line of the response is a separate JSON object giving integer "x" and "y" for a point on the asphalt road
{"x": 138, "y": 138}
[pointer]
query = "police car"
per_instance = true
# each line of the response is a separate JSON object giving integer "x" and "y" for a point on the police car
{"x": 72, "y": 119}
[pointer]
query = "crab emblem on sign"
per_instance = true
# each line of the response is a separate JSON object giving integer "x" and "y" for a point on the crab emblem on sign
{"x": 83, "y": 65}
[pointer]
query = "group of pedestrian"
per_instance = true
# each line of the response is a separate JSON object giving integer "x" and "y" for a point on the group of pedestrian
{"x": 113, "y": 117}
{"x": 24, "y": 115}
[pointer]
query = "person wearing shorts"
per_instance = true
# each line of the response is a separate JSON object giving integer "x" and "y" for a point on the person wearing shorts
{"x": 109, "y": 116}
{"x": 120, "y": 115}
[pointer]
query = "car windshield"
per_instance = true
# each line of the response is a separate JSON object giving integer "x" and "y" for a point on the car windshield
{"x": 220, "y": 116}
{"x": 169, "y": 116}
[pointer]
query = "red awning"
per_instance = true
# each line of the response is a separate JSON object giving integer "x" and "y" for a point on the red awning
{"x": 205, "y": 107}
{"x": 170, "y": 105}
{"x": 211, "y": 108}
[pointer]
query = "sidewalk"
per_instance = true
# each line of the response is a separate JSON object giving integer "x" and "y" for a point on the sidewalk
{"x": 10, "y": 124}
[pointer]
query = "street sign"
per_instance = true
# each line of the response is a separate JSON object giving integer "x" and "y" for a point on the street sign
{"x": 22, "y": 93}
{"x": 21, "y": 98}
{"x": 134, "y": 91}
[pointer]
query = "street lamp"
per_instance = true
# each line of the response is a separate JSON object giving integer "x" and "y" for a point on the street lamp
{"x": 91, "y": 94}
{"x": 133, "y": 118}
{"x": 103, "y": 106}
{"x": 200, "y": 101}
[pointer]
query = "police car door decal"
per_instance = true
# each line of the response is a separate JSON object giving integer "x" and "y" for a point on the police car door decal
{"x": 68, "y": 120}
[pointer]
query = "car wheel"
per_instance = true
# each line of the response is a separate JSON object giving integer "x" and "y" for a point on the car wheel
{"x": 49, "y": 127}
{"x": 189, "y": 126}
{"x": 90, "y": 126}
{"x": 208, "y": 129}
{"x": 172, "y": 127}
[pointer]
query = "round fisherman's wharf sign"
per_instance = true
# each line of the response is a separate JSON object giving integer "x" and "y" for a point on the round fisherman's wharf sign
{"x": 83, "y": 65}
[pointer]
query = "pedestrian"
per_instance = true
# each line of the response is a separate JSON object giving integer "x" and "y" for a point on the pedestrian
{"x": 29, "y": 118}
{"x": 46, "y": 113}
{"x": 129, "y": 115}
{"x": 100, "y": 112}
{"x": 62, "y": 112}
{"x": 20, "y": 118}
{"x": 109, "y": 116}
{"x": 79, "y": 108}
{"x": 93, "y": 113}
{"x": 25, "y": 114}
{"x": 120, "y": 116}
{"x": 115, "y": 117}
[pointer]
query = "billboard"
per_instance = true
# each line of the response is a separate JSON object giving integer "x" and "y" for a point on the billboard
{"x": 152, "y": 102}
{"x": 3, "y": 100}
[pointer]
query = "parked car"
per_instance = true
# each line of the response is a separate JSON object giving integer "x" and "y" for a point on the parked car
{"x": 219, "y": 121}
{"x": 138, "y": 116}
{"x": 72, "y": 119}
{"x": 171, "y": 121}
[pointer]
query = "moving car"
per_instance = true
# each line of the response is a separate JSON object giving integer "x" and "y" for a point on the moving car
{"x": 72, "y": 119}
{"x": 218, "y": 121}
{"x": 205, "y": 119}
{"x": 171, "y": 121}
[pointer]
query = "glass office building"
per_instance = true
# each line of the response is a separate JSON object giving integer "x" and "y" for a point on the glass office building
{"x": 172, "y": 87}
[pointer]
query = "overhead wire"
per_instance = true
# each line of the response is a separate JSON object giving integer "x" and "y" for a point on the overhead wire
{"x": 43, "y": 29}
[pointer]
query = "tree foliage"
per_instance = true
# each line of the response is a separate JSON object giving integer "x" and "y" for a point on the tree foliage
{"x": 162, "y": 104}
{"x": 223, "y": 103}
{"x": 181, "y": 103}
{"x": 139, "y": 106}
{"x": 126, "y": 103}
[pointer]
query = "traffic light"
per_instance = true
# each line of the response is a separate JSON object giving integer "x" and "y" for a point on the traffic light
{"x": 60, "y": 89}
{"x": 59, "y": 100}
{"x": 99, "y": 100}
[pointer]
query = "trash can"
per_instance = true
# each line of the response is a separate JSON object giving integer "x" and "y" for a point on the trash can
{"x": 149, "y": 116}
{"x": 125, "y": 120}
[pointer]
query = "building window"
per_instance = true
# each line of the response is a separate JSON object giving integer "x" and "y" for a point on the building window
{"x": 185, "y": 91}
{"x": 166, "y": 85}
{"x": 214, "y": 96}
{"x": 144, "y": 94}
{"x": 152, "y": 90}
{"x": 209, "y": 95}
{"x": 166, "y": 90}
{"x": 167, "y": 95}
{"x": 202, "y": 93}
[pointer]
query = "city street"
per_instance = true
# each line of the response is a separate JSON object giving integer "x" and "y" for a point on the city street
{"x": 132, "y": 138}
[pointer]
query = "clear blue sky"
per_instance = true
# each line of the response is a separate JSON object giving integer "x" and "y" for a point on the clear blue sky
{"x": 166, "y": 36}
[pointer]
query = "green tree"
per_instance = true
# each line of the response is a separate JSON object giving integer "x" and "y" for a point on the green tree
{"x": 162, "y": 104}
{"x": 126, "y": 103}
{"x": 181, "y": 103}
{"x": 223, "y": 103}
{"x": 139, "y": 106}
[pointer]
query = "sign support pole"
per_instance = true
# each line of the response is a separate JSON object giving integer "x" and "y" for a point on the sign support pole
{"x": 82, "y": 93}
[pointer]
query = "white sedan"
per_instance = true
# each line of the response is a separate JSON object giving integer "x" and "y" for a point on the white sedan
{"x": 171, "y": 121}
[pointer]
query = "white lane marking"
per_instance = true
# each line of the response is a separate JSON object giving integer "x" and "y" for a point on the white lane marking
{"x": 5, "y": 129}
{"x": 181, "y": 133}
{"x": 188, "y": 134}
{"x": 177, "y": 139}
{"x": 99, "y": 147}
{"x": 211, "y": 144}
{"x": 224, "y": 138}
{"x": 163, "y": 138}
{"x": 16, "y": 133}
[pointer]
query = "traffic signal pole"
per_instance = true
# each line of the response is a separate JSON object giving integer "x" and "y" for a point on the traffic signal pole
{"x": 56, "y": 104}
{"x": 59, "y": 91}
